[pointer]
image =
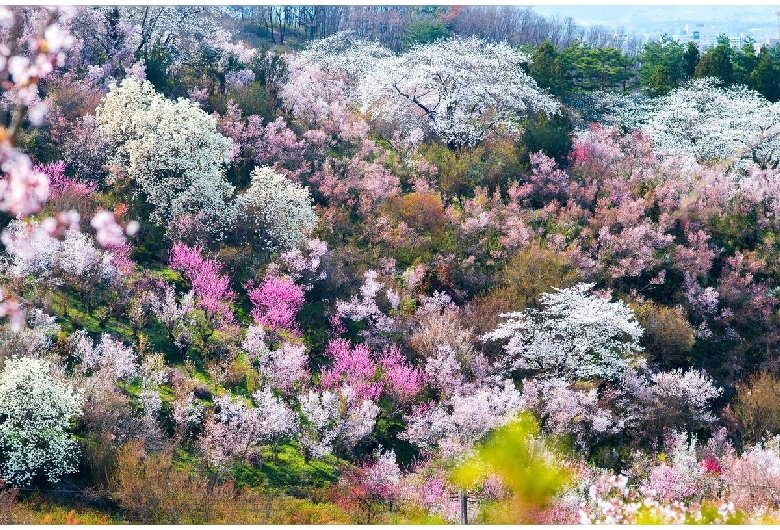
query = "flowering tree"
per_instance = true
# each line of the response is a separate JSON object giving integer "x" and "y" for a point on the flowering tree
{"x": 364, "y": 307}
{"x": 457, "y": 423}
{"x": 276, "y": 302}
{"x": 277, "y": 212}
{"x": 211, "y": 287}
{"x": 682, "y": 399}
{"x": 352, "y": 366}
{"x": 108, "y": 355}
{"x": 577, "y": 335}
{"x": 457, "y": 89}
{"x": 236, "y": 428}
{"x": 334, "y": 420}
{"x": 711, "y": 122}
{"x": 402, "y": 380}
{"x": 567, "y": 411}
{"x": 325, "y": 77}
{"x": 171, "y": 151}
{"x": 34, "y": 46}
{"x": 35, "y": 412}
{"x": 361, "y": 488}
{"x": 176, "y": 317}
{"x": 35, "y": 42}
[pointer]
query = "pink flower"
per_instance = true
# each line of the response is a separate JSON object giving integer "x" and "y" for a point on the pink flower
{"x": 276, "y": 302}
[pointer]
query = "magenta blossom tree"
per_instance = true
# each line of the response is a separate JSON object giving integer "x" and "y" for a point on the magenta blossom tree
{"x": 212, "y": 288}
{"x": 276, "y": 302}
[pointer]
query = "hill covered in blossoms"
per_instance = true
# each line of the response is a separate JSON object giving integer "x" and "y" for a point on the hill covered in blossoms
{"x": 255, "y": 269}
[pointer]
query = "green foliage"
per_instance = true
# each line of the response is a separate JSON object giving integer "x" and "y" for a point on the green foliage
{"x": 592, "y": 68}
{"x": 765, "y": 77}
{"x": 550, "y": 134}
{"x": 525, "y": 464}
{"x": 546, "y": 69}
{"x": 717, "y": 62}
{"x": 668, "y": 337}
{"x": 284, "y": 467}
{"x": 663, "y": 65}
{"x": 452, "y": 169}
{"x": 531, "y": 272}
{"x": 660, "y": 82}
{"x": 158, "y": 61}
{"x": 745, "y": 61}
{"x": 422, "y": 31}
{"x": 691, "y": 58}
{"x": 757, "y": 407}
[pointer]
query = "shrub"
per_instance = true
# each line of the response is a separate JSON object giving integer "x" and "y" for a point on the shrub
{"x": 533, "y": 271}
{"x": 151, "y": 489}
{"x": 757, "y": 406}
{"x": 423, "y": 212}
{"x": 668, "y": 335}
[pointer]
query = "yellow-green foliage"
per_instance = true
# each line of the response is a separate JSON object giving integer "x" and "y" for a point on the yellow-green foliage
{"x": 757, "y": 406}
{"x": 533, "y": 271}
{"x": 522, "y": 460}
{"x": 668, "y": 336}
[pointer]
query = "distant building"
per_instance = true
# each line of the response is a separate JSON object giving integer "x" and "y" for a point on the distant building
{"x": 702, "y": 34}
{"x": 705, "y": 35}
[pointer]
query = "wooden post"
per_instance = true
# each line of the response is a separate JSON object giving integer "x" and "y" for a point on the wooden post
{"x": 464, "y": 501}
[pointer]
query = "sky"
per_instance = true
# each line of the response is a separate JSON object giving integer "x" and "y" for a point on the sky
{"x": 651, "y": 19}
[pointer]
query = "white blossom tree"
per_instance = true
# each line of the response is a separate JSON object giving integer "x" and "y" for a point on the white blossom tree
{"x": 277, "y": 211}
{"x": 710, "y": 123}
{"x": 109, "y": 355}
{"x": 334, "y": 419}
{"x": 235, "y": 428}
{"x": 682, "y": 399}
{"x": 170, "y": 151}
{"x": 457, "y": 423}
{"x": 35, "y": 413}
{"x": 577, "y": 335}
{"x": 457, "y": 89}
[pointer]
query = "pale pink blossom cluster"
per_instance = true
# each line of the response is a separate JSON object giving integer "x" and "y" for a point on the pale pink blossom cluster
{"x": 107, "y": 355}
{"x": 334, "y": 420}
{"x": 281, "y": 368}
{"x": 364, "y": 307}
{"x": 235, "y": 428}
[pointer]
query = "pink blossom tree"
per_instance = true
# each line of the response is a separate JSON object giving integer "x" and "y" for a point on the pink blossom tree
{"x": 276, "y": 302}
{"x": 212, "y": 288}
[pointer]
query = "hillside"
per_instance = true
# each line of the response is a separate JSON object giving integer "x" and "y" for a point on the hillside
{"x": 335, "y": 280}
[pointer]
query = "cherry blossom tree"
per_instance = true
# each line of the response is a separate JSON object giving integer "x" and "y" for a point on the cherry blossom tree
{"x": 334, "y": 421}
{"x": 577, "y": 335}
{"x": 109, "y": 355}
{"x": 458, "y": 90}
{"x": 710, "y": 122}
{"x": 276, "y": 302}
{"x": 364, "y": 307}
{"x": 277, "y": 212}
{"x": 361, "y": 488}
{"x": 683, "y": 399}
{"x": 34, "y": 339}
{"x": 353, "y": 366}
{"x": 176, "y": 317}
{"x": 457, "y": 423}
{"x": 281, "y": 368}
{"x": 211, "y": 287}
{"x": 169, "y": 150}
{"x": 325, "y": 78}
{"x": 36, "y": 408}
{"x": 235, "y": 428}
{"x": 567, "y": 411}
